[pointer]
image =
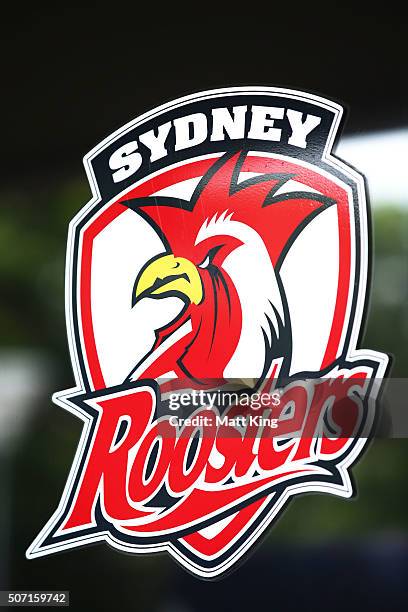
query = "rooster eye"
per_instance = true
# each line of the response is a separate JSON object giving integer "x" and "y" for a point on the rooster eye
{"x": 204, "y": 264}
{"x": 210, "y": 256}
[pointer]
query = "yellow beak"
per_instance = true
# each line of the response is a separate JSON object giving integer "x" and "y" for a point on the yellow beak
{"x": 168, "y": 275}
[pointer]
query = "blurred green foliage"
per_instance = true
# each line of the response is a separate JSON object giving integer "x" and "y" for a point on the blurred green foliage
{"x": 33, "y": 231}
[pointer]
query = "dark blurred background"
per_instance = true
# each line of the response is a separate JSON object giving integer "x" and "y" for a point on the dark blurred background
{"x": 69, "y": 78}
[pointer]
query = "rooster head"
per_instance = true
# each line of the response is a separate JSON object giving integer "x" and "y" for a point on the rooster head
{"x": 221, "y": 256}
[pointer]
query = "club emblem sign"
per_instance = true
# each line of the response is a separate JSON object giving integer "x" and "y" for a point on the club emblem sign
{"x": 225, "y": 248}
